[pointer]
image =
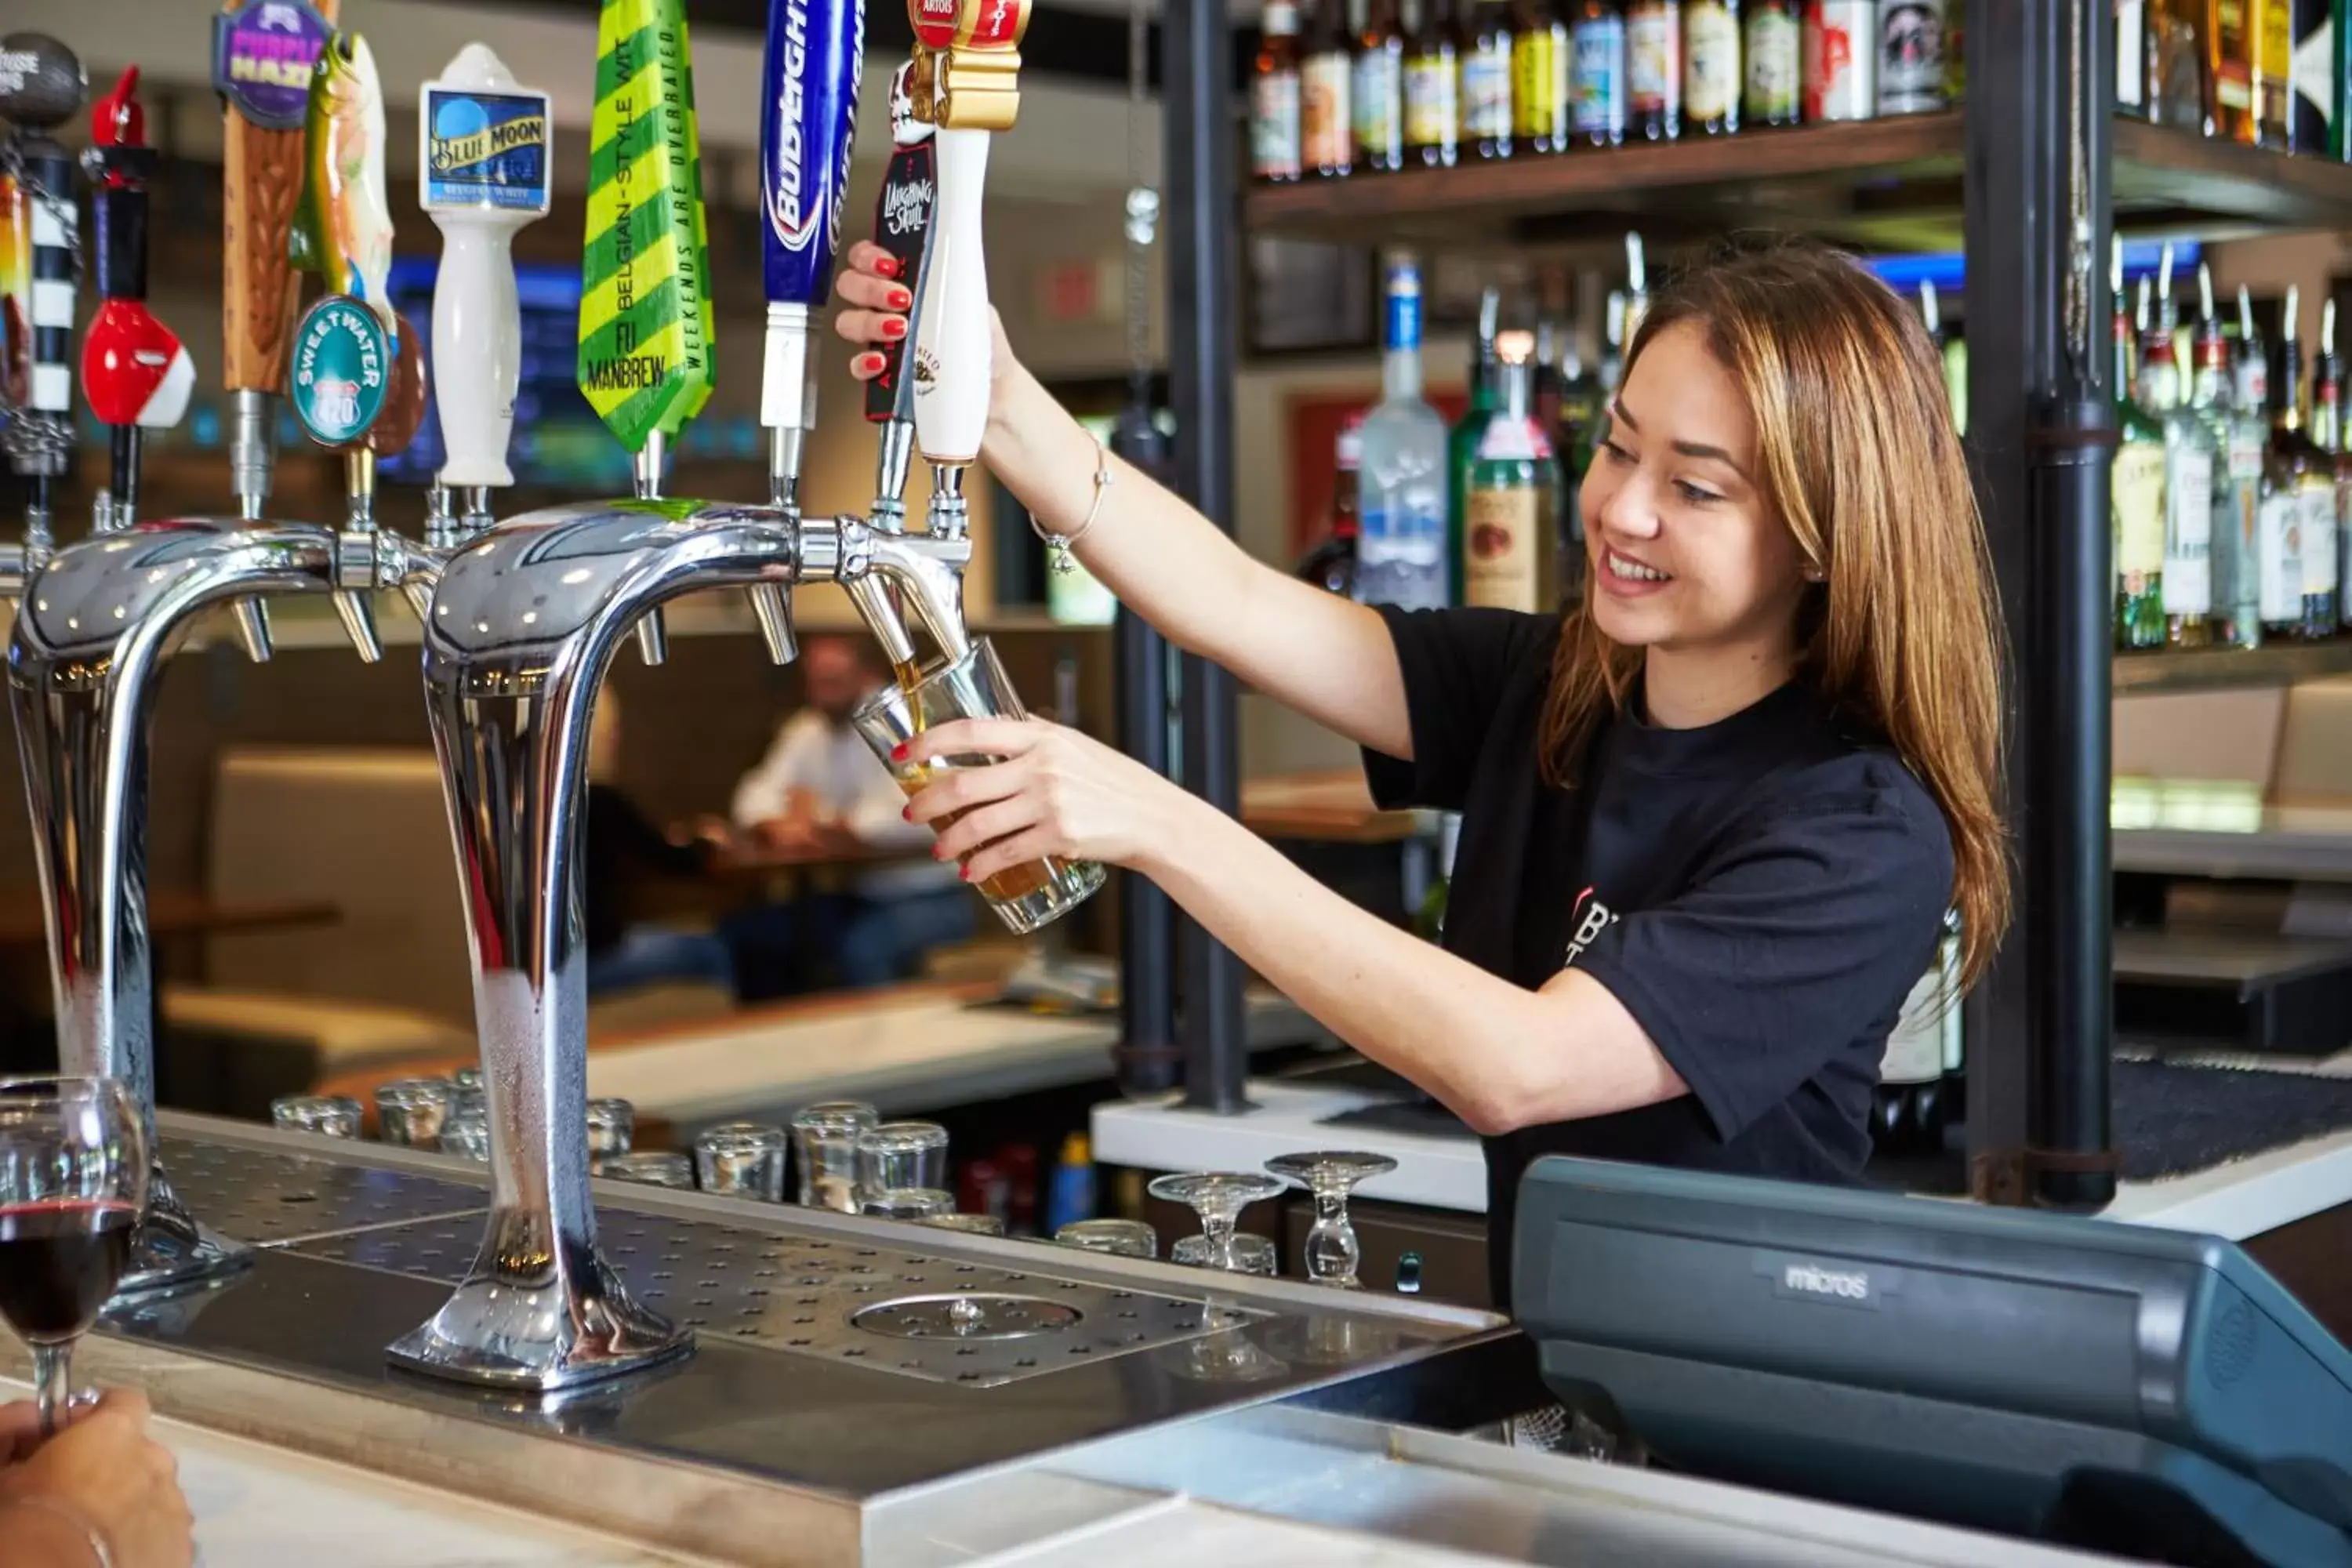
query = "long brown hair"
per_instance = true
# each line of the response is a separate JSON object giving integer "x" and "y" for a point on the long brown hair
{"x": 1859, "y": 457}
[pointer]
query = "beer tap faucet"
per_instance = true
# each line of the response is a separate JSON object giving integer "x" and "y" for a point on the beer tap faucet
{"x": 135, "y": 371}
{"x": 41, "y": 87}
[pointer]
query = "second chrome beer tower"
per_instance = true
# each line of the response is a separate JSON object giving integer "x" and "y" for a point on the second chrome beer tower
{"x": 521, "y": 617}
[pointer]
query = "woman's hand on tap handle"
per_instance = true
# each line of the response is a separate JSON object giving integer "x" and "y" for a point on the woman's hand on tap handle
{"x": 880, "y": 300}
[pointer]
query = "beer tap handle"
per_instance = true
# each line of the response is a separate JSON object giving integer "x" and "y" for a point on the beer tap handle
{"x": 645, "y": 335}
{"x": 357, "y": 381}
{"x": 263, "y": 55}
{"x": 135, "y": 373}
{"x": 482, "y": 175}
{"x": 809, "y": 77}
{"x": 44, "y": 88}
{"x": 902, "y": 225}
{"x": 966, "y": 84}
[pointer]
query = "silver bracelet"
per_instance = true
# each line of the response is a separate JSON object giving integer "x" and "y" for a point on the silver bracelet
{"x": 1059, "y": 543}
{"x": 72, "y": 1515}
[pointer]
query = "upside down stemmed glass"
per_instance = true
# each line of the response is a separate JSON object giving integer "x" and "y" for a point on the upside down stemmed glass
{"x": 73, "y": 1181}
{"x": 1218, "y": 1197}
{"x": 1332, "y": 1250}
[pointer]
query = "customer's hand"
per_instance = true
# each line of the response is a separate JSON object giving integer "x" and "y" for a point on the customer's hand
{"x": 1056, "y": 792}
{"x": 105, "y": 1470}
{"x": 869, "y": 278}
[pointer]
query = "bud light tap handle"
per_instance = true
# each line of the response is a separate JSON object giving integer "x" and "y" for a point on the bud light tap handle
{"x": 482, "y": 175}
{"x": 135, "y": 373}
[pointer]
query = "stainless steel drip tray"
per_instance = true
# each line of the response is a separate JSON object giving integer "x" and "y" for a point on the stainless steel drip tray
{"x": 866, "y": 1302}
{"x": 267, "y": 1194}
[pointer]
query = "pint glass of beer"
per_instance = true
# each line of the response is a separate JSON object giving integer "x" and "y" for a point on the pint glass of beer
{"x": 1025, "y": 896}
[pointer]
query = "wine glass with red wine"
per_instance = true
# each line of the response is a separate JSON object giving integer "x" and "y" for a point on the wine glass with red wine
{"x": 73, "y": 1181}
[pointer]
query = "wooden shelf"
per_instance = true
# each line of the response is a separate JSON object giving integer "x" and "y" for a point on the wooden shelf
{"x": 1893, "y": 182}
{"x": 2212, "y": 669}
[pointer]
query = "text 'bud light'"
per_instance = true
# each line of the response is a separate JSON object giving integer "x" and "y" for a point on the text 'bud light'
{"x": 816, "y": 51}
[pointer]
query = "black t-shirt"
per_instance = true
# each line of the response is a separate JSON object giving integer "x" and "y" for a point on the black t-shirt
{"x": 1760, "y": 893}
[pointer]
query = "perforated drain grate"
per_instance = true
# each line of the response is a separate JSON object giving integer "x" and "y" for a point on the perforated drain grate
{"x": 271, "y": 1199}
{"x": 836, "y": 1298}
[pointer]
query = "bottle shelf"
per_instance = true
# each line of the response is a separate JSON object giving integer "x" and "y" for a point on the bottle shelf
{"x": 2220, "y": 668}
{"x": 1892, "y": 183}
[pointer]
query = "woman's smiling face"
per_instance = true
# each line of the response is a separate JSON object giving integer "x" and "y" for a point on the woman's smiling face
{"x": 1686, "y": 551}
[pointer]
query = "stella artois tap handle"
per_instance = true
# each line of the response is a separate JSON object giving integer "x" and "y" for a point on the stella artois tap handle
{"x": 966, "y": 84}
{"x": 264, "y": 52}
{"x": 482, "y": 176}
{"x": 134, "y": 372}
{"x": 358, "y": 379}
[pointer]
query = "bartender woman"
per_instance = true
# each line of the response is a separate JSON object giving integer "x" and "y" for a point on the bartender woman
{"x": 1711, "y": 820}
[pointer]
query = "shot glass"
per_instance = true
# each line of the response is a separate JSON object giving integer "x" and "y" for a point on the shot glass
{"x": 1246, "y": 1253}
{"x": 908, "y": 1203}
{"x": 652, "y": 1168}
{"x": 1121, "y": 1237}
{"x": 1025, "y": 896}
{"x": 902, "y": 1154}
{"x": 612, "y": 1126}
{"x": 745, "y": 1159}
{"x": 467, "y": 1077}
{"x": 329, "y": 1115}
{"x": 465, "y": 1132}
{"x": 825, "y": 1135}
{"x": 969, "y": 1224}
{"x": 409, "y": 1112}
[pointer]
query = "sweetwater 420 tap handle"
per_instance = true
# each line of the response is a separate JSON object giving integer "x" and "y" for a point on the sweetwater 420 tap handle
{"x": 966, "y": 84}
{"x": 809, "y": 77}
{"x": 264, "y": 53}
{"x": 41, "y": 87}
{"x": 645, "y": 332}
{"x": 357, "y": 381}
{"x": 134, "y": 372}
{"x": 482, "y": 175}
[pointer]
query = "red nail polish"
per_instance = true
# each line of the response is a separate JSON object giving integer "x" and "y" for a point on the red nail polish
{"x": 901, "y": 298}
{"x": 888, "y": 266}
{"x": 964, "y": 872}
{"x": 908, "y": 812}
{"x": 894, "y": 326}
{"x": 898, "y": 755}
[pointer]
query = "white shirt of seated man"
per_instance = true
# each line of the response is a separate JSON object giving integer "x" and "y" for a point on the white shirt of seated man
{"x": 821, "y": 782}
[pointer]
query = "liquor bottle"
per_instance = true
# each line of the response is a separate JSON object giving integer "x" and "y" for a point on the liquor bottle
{"x": 1773, "y": 47}
{"x": 1376, "y": 90}
{"x": 1654, "y": 71}
{"x": 1711, "y": 81}
{"x": 1326, "y": 80}
{"x": 2285, "y": 458}
{"x": 1462, "y": 440}
{"x": 1841, "y": 67}
{"x": 1597, "y": 72}
{"x": 2328, "y": 432}
{"x": 1956, "y": 54}
{"x": 2180, "y": 91}
{"x": 2138, "y": 498}
{"x": 2311, "y": 99}
{"x": 2188, "y": 462}
{"x": 1401, "y": 551}
{"x": 2237, "y": 480}
{"x": 1511, "y": 543}
{"x": 1551, "y": 387}
{"x": 1540, "y": 99}
{"x": 2229, "y": 27}
{"x": 2339, "y": 82}
{"x": 2274, "y": 75}
{"x": 1332, "y": 563}
{"x": 1485, "y": 90}
{"x": 1276, "y": 128}
{"x": 2312, "y": 459}
{"x": 1910, "y": 56}
{"x": 2131, "y": 58}
{"x": 1433, "y": 106}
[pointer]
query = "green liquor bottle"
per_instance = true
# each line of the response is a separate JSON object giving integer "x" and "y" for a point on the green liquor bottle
{"x": 1511, "y": 534}
{"x": 2137, "y": 500}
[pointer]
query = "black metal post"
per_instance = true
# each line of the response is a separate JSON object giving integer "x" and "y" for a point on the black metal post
{"x": 1197, "y": 137}
{"x": 1148, "y": 1056}
{"x": 2042, "y": 432}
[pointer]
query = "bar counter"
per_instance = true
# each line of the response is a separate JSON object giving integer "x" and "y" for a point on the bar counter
{"x": 1183, "y": 1416}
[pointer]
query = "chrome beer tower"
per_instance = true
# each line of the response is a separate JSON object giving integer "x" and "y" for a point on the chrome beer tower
{"x": 526, "y": 621}
{"x": 92, "y": 632}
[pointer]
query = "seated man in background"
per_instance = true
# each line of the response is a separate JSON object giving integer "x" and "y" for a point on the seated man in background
{"x": 820, "y": 787}
{"x": 620, "y": 848}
